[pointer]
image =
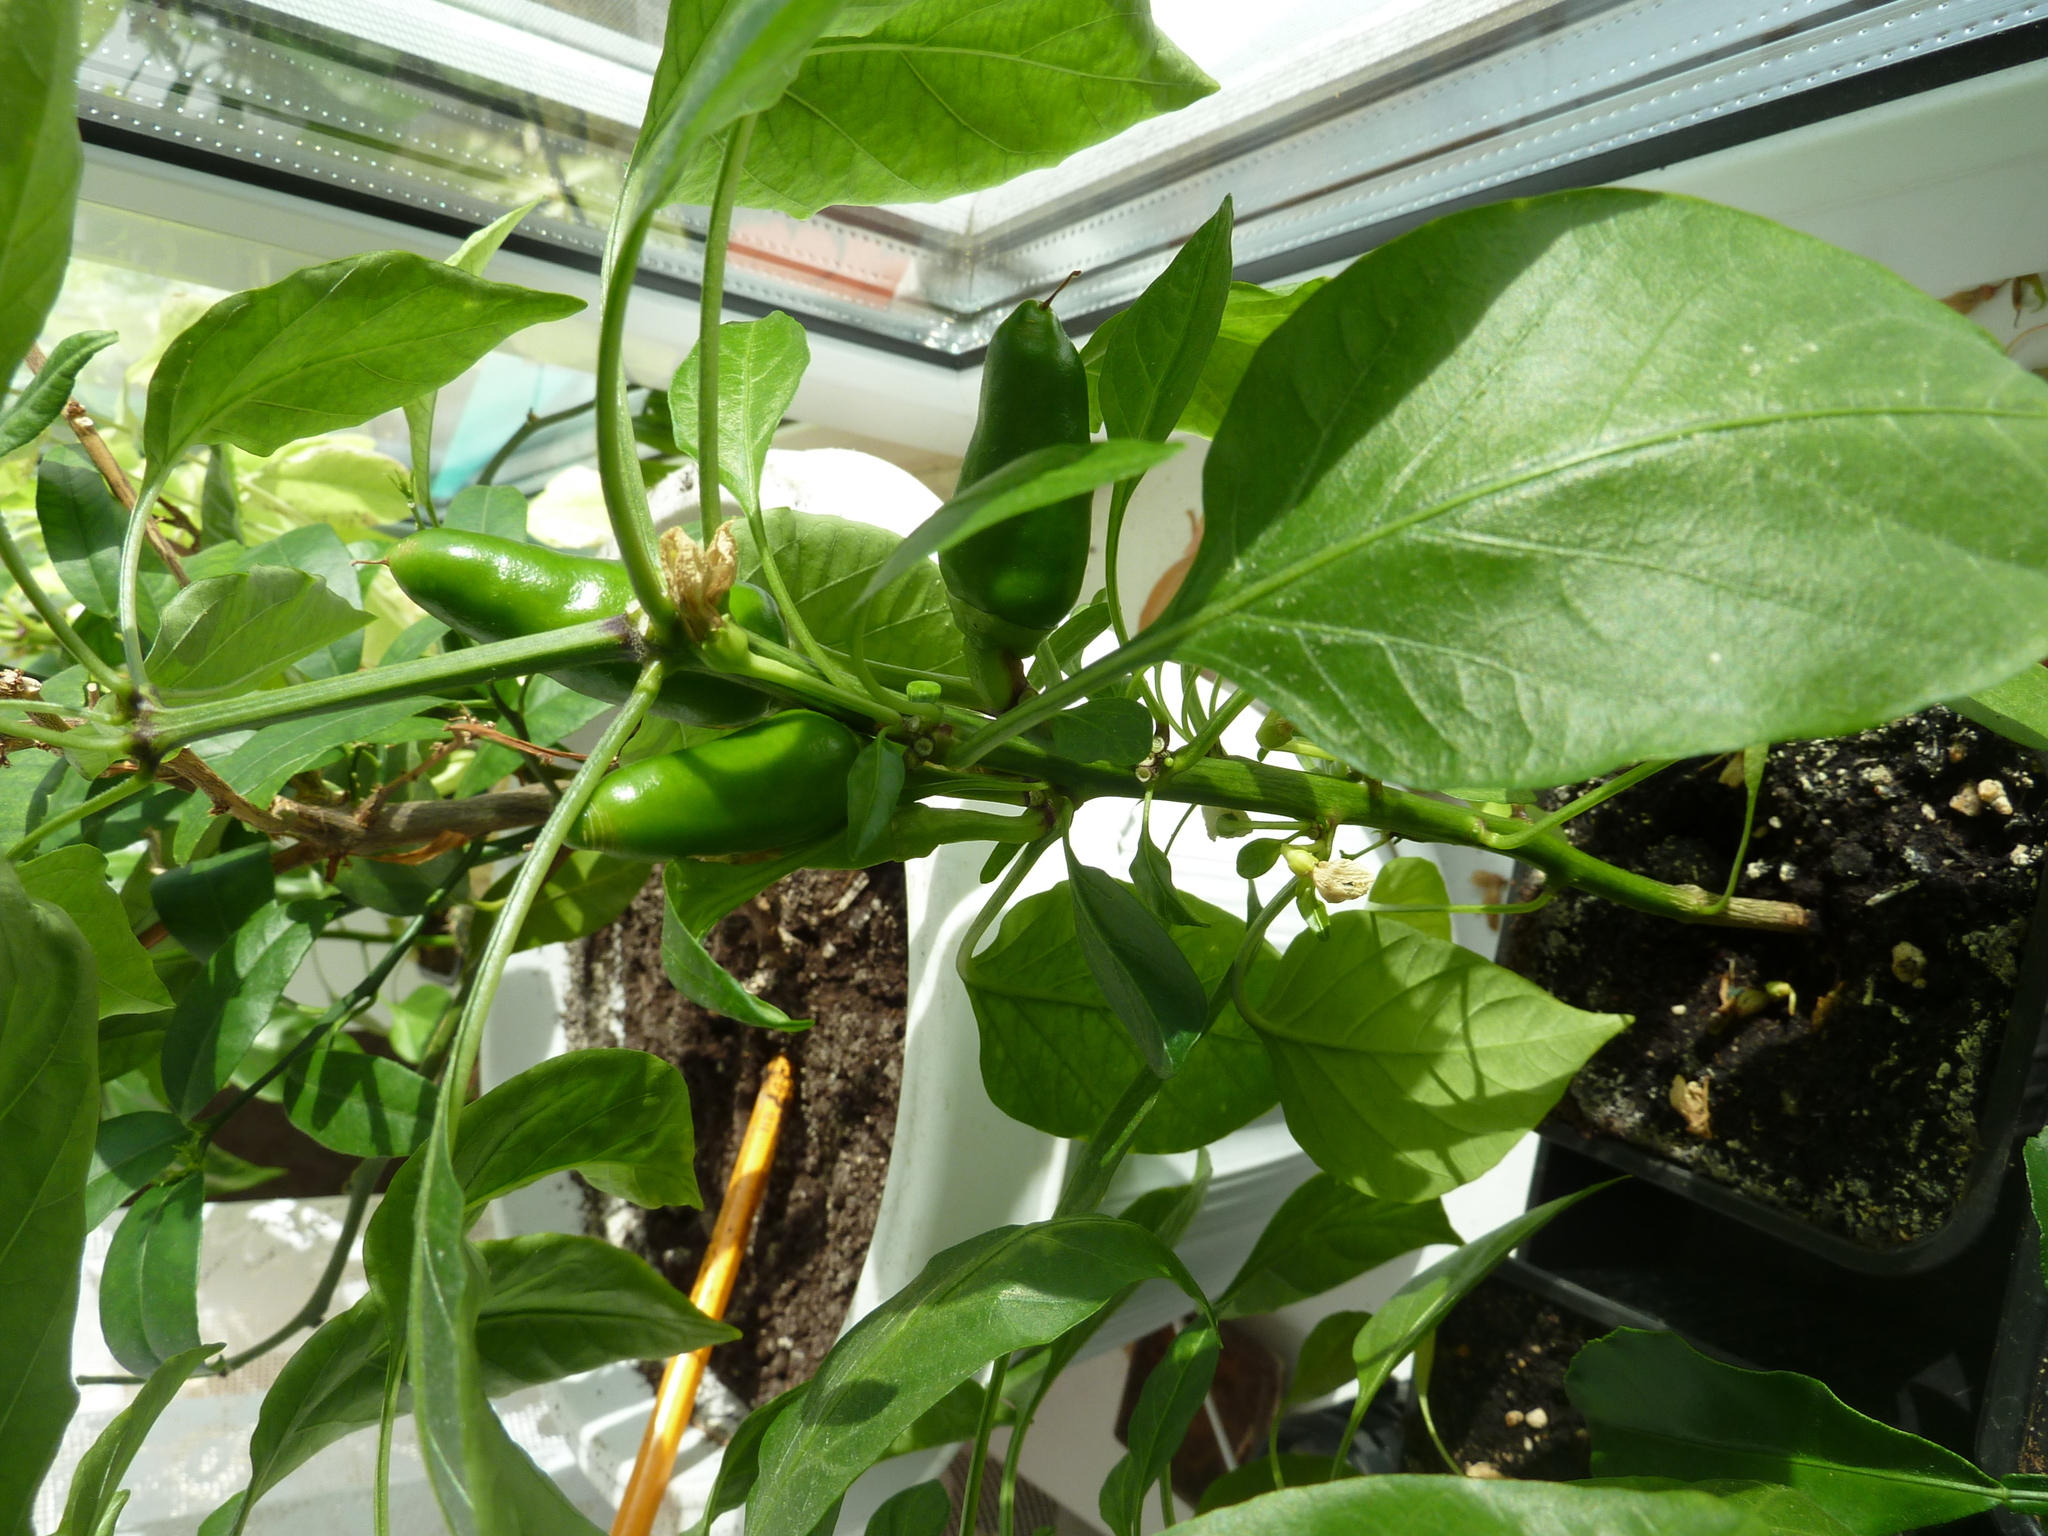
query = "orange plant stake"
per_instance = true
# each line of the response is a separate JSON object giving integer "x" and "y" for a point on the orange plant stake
{"x": 673, "y": 1405}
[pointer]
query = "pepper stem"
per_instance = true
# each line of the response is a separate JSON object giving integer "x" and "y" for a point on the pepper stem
{"x": 711, "y": 304}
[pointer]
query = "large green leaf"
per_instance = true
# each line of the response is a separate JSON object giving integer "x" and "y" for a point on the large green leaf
{"x": 327, "y": 348}
{"x": 82, "y": 529}
{"x": 1324, "y": 1234}
{"x": 1250, "y": 315}
{"x": 740, "y": 1467}
{"x": 948, "y": 96}
{"x": 692, "y": 971}
{"x": 229, "y": 634}
{"x": 1323, "y": 1363}
{"x": 96, "y": 1494}
{"x": 560, "y": 1305}
{"x": 364, "y": 1105}
{"x": 1601, "y": 476}
{"x": 1005, "y": 1290}
{"x": 585, "y": 892}
{"x": 1780, "y": 1510}
{"x": 205, "y": 902}
{"x": 223, "y": 1011}
{"x": 1055, "y": 1057}
{"x": 49, "y": 1102}
{"x": 1463, "y": 1506}
{"x": 1155, "y": 356}
{"x": 1658, "y": 1408}
{"x": 1138, "y": 968}
{"x": 828, "y": 562}
{"x": 128, "y": 1151}
{"x": 1409, "y": 1066}
{"x": 923, "y": 1509}
{"x": 760, "y": 364}
{"x": 37, "y": 406}
{"x": 1166, "y": 1406}
{"x": 149, "y": 1290}
{"x": 75, "y": 878}
{"x": 39, "y": 170}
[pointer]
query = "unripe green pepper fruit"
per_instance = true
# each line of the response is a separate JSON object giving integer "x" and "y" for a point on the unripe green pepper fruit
{"x": 773, "y": 785}
{"x": 490, "y": 588}
{"x": 1013, "y": 583}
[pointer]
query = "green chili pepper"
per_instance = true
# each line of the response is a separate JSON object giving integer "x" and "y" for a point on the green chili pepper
{"x": 1011, "y": 584}
{"x": 773, "y": 785}
{"x": 490, "y": 588}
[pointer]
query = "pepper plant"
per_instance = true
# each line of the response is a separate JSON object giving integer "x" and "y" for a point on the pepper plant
{"x": 1540, "y": 492}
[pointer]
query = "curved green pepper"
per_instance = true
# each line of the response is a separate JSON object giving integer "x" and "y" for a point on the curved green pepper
{"x": 773, "y": 785}
{"x": 1013, "y": 583}
{"x": 490, "y": 588}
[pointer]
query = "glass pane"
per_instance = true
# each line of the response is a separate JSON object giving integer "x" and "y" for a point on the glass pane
{"x": 1335, "y": 118}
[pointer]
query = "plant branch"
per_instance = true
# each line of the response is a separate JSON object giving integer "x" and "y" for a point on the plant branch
{"x": 360, "y": 1186}
{"x": 991, "y": 1404}
{"x": 523, "y": 431}
{"x": 710, "y": 306}
{"x": 77, "y": 813}
{"x": 140, "y": 523}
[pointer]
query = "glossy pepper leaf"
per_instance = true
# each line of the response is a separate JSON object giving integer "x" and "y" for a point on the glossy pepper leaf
{"x": 129, "y": 1151}
{"x": 82, "y": 527}
{"x": 1533, "y": 398}
{"x": 229, "y": 634}
{"x": 872, "y": 790}
{"x": 1167, "y": 1405}
{"x": 740, "y": 1467}
{"x": 922, "y": 1509}
{"x": 1152, "y": 876}
{"x": 1409, "y": 1066}
{"x": 707, "y": 983}
{"x": 223, "y": 1011}
{"x": 205, "y": 902}
{"x": 1658, "y": 1408}
{"x": 96, "y": 1495}
{"x": 40, "y": 163}
{"x": 75, "y": 878}
{"x": 1250, "y": 315}
{"x": 1005, "y": 1290}
{"x": 49, "y": 1103}
{"x": 942, "y": 97}
{"x": 498, "y": 510}
{"x": 351, "y": 1101}
{"x": 1412, "y": 881}
{"x": 1324, "y": 1234}
{"x": 587, "y": 891}
{"x": 1463, "y": 1506}
{"x": 1323, "y": 1364}
{"x": 50, "y": 391}
{"x": 1155, "y": 356}
{"x": 149, "y": 1290}
{"x": 760, "y": 364}
{"x": 1148, "y": 982}
{"x": 328, "y": 348}
{"x": 1108, "y": 730}
{"x": 1038, "y": 479}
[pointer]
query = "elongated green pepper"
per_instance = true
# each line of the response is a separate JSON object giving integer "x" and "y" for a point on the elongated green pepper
{"x": 773, "y": 785}
{"x": 490, "y": 588}
{"x": 1013, "y": 583}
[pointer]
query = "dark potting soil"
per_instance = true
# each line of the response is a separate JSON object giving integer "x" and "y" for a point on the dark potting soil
{"x": 1838, "y": 1075}
{"x": 1496, "y": 1389}
{"x": 825, "y": 945}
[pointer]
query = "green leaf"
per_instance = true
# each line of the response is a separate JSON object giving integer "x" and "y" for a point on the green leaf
{"x": 402, "y": 890}
{"x": 1324, "y": 1362}
{"x": 353, "y": 1102}
{"x": 229, "y": 634}
{"x": 1148, "y": 982}
{"x": 149, "y": 1290}
{"x": 50, "y": 391}
{"x": 923, "y": 1509}
{"x": 1250, "y": 315}
{"x": 873, "y": 788}
{"x": 1463, "y": 1506}
{"x": 1412, "y": 881}
{"x": 49, "y": 1103}
{"x": 75, "y": 878}
{"x": 703, "y": 980}
{"x": 1521, "y": 496}
{"x": 740, "y": 1467}
{"x": 1779, "y": 1510}
{"x": 450, "y": 1412}
{"x": 1107, "y": 730}
{"x": 1408, "y": 1066}
{"x": 327, "y": 348}
{"x": 560, "y": 1305}
{"x": 260, "y": 767}
{"x": 128, "y": 1151}
{"x": 760, "y": 364}
{"x": 586, "y": 892}
{"x": 1167, "y": 1405}
{"x": 1038, "y": 479}
{"x": 1152, "y": 878}
{"x": 40, "y": 164}
{"x": 949, "y": 96}
{"x": 226, "y": 1007}
{"x": 475, "y": 253}
{"x": 205, "y": 902}
{"x": 220, "y": 500}
{"x": 1658, "y": 1408}
{"x": 82, "y": 528}
{"x": 1154, "y": 358}
{"x": 828, "y": 562}
{"x": 499, "y": 510}
{"x": 1005, "y": 1290}
{"x": 332, "y": 1386}
{"x": 1060, "y": 656}
{"x": 1412, "y": 1312}
{"x": 227, "y": 1174}
{"x": 2016, "y": 709}
{"x": 1324, "y": 1234}
{"x": 96, "y": 1492}
{"x": 1255, "y": 1477}
{"x": 314, "y": 548}
{"x": 1054, "y": 1056}
{"x": 415, "y": 1017}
